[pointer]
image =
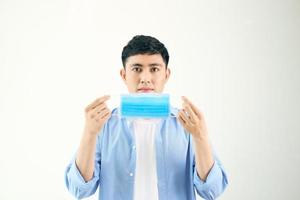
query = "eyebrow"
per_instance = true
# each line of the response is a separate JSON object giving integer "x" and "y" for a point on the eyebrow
{"x": 140, "y": 65}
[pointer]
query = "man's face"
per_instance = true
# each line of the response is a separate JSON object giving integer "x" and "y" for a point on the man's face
{"x": 145, "y": 73}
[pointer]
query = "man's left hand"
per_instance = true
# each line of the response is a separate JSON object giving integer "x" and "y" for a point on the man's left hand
{"x": 192, "y": 119}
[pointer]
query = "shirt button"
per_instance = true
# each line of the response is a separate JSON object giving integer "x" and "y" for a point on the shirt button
{"x": 133, "y": 146}
{"x": 131, "y": 174}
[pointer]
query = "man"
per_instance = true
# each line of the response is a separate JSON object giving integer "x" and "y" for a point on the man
{"x": 142, "y": 159}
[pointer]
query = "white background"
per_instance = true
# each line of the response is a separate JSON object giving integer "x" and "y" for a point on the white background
{"x": 239, "y": 62}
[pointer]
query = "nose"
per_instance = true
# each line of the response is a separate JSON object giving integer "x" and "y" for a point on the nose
{"x": 145, "y": 78}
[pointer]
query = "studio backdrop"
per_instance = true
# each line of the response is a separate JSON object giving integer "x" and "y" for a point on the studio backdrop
{"x": 237, "y": 60}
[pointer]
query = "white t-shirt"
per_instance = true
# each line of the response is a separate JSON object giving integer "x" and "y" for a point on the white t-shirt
{"x": 145, "y": 185}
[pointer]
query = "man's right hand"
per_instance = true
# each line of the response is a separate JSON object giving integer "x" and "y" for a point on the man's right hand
{"x": 96, "y": 114}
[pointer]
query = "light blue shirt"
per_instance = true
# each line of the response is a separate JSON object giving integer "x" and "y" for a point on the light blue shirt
{"x": 115, "y": 160}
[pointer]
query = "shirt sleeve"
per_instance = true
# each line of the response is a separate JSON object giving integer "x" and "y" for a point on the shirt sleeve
{"x": 215, "y": 183}
{"x": 74, "y": 181}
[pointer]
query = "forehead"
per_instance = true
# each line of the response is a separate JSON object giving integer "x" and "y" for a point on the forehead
{"x": 145, "y": 60}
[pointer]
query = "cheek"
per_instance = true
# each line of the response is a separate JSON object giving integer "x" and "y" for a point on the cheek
{"x": 160, "y": 79}
{"x": 132, "y": 81}
{"x": 131, "y": 77}
{"x": 159, "y": 83}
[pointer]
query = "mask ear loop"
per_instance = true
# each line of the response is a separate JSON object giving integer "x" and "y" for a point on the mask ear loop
{"x": 115, "y": 101}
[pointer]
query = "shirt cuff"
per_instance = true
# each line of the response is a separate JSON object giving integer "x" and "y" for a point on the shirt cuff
{"x": 77, "y": 179}
{"x": 213, "y": 176}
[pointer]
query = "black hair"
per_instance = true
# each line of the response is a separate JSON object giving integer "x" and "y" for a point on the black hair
{"x": 141, "y": 44}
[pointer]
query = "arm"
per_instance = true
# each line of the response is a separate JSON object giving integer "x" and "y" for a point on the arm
{"x": 193, "y": 121}
{"x": 76, "y": 181}
{"x": 210, "y": 179}
{"x": 82, "y": 174}
{"x": 203, "y": 156}
{"x": 86, "y": 155}
{"x": 215, "y": 182}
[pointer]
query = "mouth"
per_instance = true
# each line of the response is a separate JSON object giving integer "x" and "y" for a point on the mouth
{"x": 145, "y": 90}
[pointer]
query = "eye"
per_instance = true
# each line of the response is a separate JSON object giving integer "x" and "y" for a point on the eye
{"x": 136, "y": 69}
{"x": 154, "y": 69}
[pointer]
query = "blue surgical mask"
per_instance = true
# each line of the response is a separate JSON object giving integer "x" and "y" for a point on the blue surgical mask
{"x": 145, "y": 105}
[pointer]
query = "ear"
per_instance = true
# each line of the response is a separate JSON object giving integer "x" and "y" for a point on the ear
{"x": 123, "y": 74}
{"x": 168, "y": 73}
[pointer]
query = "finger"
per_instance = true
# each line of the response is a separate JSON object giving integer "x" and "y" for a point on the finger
{"x": 93, "y": 103}
{"x": 181, "y": 120}
{"x": 184, "y": 117}
{"x": 190, "y": 112}
{"x": 99, "y": 108}
{"x": 102, "y": 115}
{"x": 97, "y": 102}
{"x": 96, "y": 111}
{"x": 105, "y": 117}
{"x": 195, "y": 109}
